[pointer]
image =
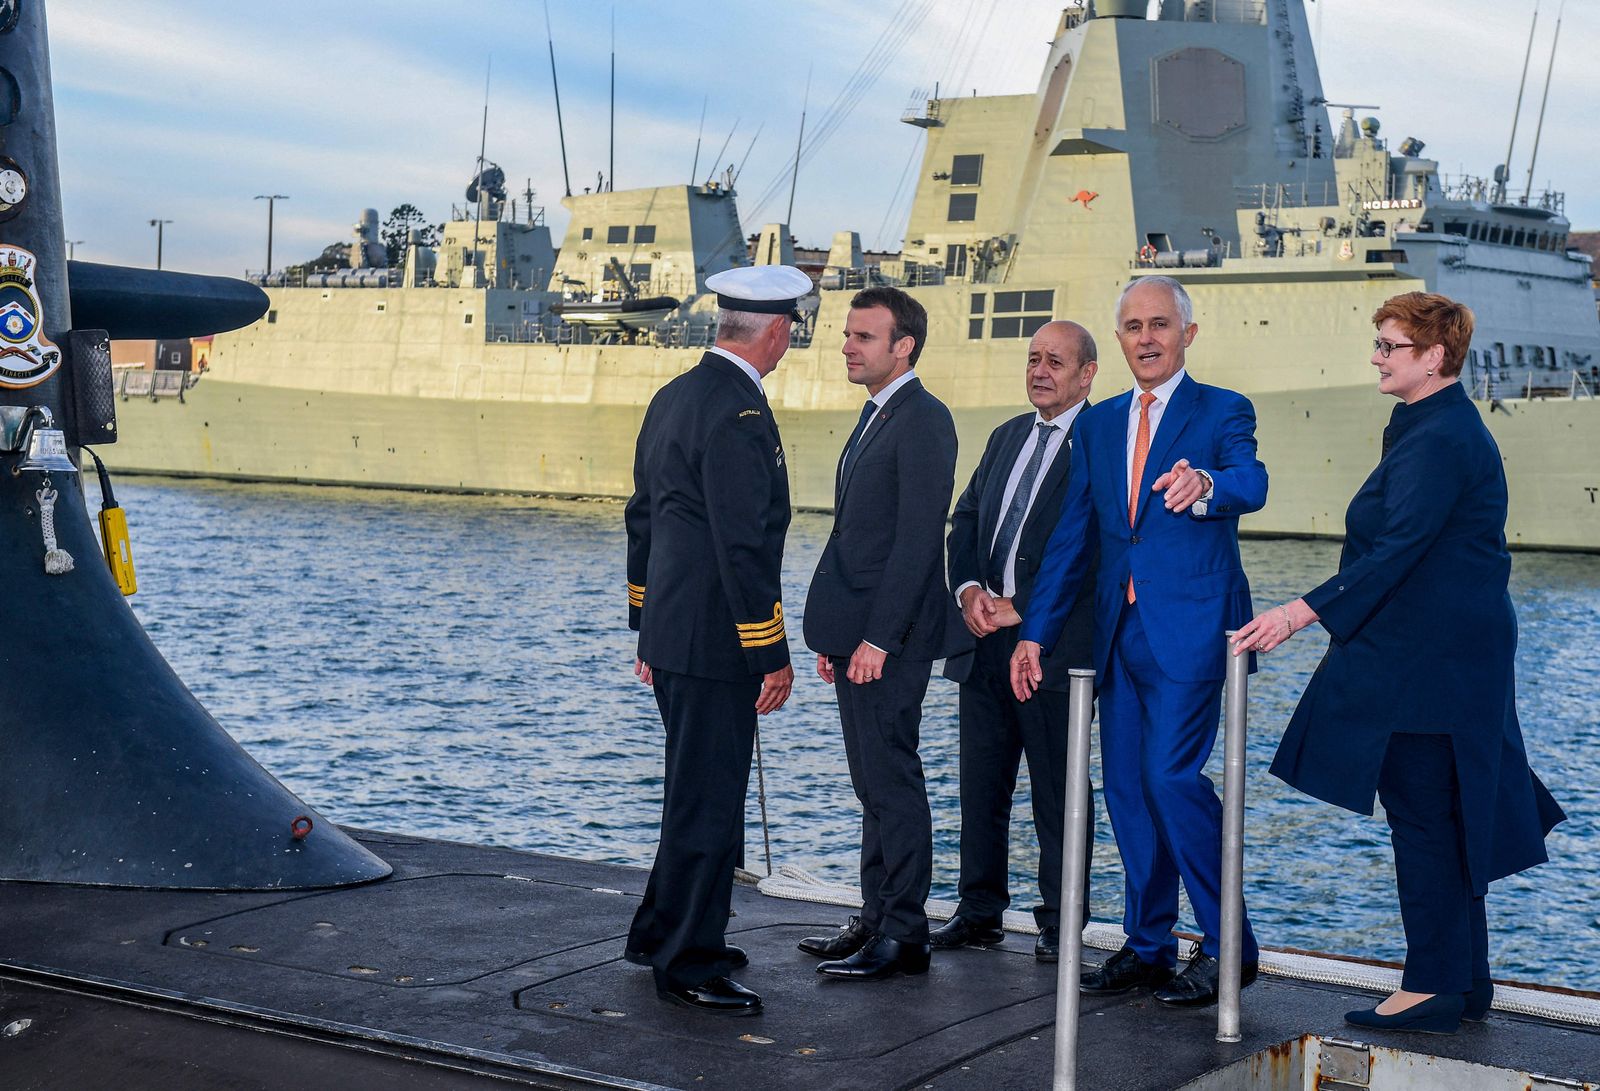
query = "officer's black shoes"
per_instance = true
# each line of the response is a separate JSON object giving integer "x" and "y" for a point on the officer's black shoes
{"x": 1122, "y": 972}
{"x": 883, "y": 957}
{"x": 735, "y": 955}
{"x": 1197, "y": 985}
{"x": 717, "y": 996}
{"x": 851, "y": 938}
{"x": 965, "y": 932}
{"x": 1048, "y": 947}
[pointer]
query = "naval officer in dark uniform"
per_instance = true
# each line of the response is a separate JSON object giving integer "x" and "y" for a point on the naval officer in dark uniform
{"x": 997, "y": 538}
{"x": 706, "y": 524}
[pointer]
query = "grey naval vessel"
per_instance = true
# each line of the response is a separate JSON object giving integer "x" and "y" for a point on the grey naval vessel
{"x": 1197, "y": 144}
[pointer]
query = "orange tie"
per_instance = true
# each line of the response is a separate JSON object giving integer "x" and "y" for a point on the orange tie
{"x": 1141, "y": 451}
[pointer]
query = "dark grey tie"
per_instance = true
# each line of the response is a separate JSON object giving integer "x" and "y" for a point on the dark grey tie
{"x": 867, "y": 412}
{"x": 1012, "y": 523}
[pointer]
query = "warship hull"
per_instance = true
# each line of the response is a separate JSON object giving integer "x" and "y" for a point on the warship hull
{"x": 488, "y": 417}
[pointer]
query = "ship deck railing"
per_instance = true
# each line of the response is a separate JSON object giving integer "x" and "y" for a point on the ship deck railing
{"x": 139, "y": 382}
{"x": 673, "y": 333}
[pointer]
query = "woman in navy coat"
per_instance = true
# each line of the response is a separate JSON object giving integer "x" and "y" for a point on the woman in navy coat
{"x": 1415, "y": 700}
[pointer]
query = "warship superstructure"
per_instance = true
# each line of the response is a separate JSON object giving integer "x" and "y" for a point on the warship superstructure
{"x": 1196, "y": 144}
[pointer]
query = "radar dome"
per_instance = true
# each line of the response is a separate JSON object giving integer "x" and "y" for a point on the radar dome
{"x": 1370, "y": 126}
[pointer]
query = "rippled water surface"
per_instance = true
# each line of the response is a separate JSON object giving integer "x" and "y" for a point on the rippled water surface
{"x": 460, "y": 667}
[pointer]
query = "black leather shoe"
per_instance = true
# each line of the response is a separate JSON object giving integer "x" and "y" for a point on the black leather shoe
{"x": 1048, "y": 946}
{"x": 1439, "y": 1014}
{"x": 1122, "y": 972}
{"x": 883, "y": 957}
{"x": 965, "y": 932}
{"x": 735, "y": 955}
{"x": 716, "y": 996}
{"x": 851, "y": 938}
{"x": 1197, "y": 985}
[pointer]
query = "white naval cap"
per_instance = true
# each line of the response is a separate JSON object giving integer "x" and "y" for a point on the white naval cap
{"x": 762, "y": 289}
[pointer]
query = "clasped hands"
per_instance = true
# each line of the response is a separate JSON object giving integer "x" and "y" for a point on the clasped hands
{"x": 985, "y": 613}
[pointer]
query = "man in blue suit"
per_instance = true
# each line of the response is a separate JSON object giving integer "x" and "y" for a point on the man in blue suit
{"x": 1162, "y": 475}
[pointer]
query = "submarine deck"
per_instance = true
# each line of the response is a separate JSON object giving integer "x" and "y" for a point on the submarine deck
{"x": 474, "y": 965}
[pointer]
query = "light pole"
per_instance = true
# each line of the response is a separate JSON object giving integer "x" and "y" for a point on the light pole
{"x": 72, "y": 247}
{"x": 271, "y": 199}
{"x": 159, "y": 225}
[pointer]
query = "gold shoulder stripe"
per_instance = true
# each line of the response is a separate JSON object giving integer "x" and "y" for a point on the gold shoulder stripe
{"x": 763, "y": 642}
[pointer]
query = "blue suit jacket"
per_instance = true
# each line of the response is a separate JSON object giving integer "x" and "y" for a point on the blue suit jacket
{"x": 1185, "y": 568}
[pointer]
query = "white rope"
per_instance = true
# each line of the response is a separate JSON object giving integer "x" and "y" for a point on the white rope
{"x": 796, "y": 884}
{"x": 57, "y": 561}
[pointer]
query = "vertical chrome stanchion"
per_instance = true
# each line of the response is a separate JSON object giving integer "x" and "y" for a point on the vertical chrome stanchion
{"x": 1235, "y": 698}
{"x": 1074, "y": 862}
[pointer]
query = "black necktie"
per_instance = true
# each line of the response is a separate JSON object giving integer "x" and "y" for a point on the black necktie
{"x": 867, "y": 412}
{"x": 1012, "y": 523}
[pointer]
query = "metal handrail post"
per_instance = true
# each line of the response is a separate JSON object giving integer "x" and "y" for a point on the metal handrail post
{"x": 1235, "y": 698}
{"x": 1074, "y": 863}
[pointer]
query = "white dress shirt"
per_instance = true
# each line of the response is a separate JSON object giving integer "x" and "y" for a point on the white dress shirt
{"x": 744, "y": 366}
{"x": 1061, "y": 422}
{"x": 1158, "y": 409}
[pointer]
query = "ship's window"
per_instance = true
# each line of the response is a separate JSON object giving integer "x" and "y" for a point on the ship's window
{"x": 963, "y": 207}
{"x": 644, "y": 233}
{"x": 588, "y": 233}
{"x": 1457, "y": 227}
{"x": 966, "y": 170}
{"x": 933, "y": 251}
{"x": 1551, "y": 349}
{"x": 1500, "y": 352}
{"x": 382, "y": 307}
{"x": 272, "y": 317}
{"x": 974, "y": 328}
{"x": 955, "y": 261}
{"x": 1494, "y": 233}
{"x": 1475, "y": 232}
{"x": 1516, "y": 240}
{"x": 977, "y": 302}
{"x": 1519, "y": 356}
{"x": 1020, "y": 314}
{"x": 466, "y": 319}
{"x": 617, "y": 233}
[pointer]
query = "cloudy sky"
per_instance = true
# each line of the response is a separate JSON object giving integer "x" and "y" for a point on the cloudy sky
{"x": 184, "y": 110}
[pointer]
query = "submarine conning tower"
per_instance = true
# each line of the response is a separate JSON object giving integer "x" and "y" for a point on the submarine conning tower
{"x": 111, "y": 773}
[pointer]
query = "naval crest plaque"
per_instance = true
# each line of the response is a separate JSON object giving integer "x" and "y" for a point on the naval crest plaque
{"x": 27, "y": 357}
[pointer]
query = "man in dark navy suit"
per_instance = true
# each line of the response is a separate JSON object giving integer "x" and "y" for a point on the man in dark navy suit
{"x": 1170, "y": 583}
{"x": 706, "y": 525}
{"x": 877, "y": 615}
{"x": 996, "y": 542}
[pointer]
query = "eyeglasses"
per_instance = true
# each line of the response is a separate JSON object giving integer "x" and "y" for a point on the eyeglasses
{"x": 1386, "y": 347}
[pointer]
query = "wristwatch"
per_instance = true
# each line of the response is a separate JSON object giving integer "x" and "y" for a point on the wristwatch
{"x": 1203, "y": 505}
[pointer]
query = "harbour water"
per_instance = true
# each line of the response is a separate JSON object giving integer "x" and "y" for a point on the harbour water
{"x": 459, "y": 667}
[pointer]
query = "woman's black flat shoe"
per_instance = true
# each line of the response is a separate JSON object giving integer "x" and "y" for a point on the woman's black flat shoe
{"x": 1439, "y": 1014}
{"x": 1479, "y": 1000}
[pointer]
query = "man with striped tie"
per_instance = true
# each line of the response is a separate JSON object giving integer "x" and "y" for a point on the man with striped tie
{"x": 1160, "y": 477}
{"x": 996, "y": 542}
